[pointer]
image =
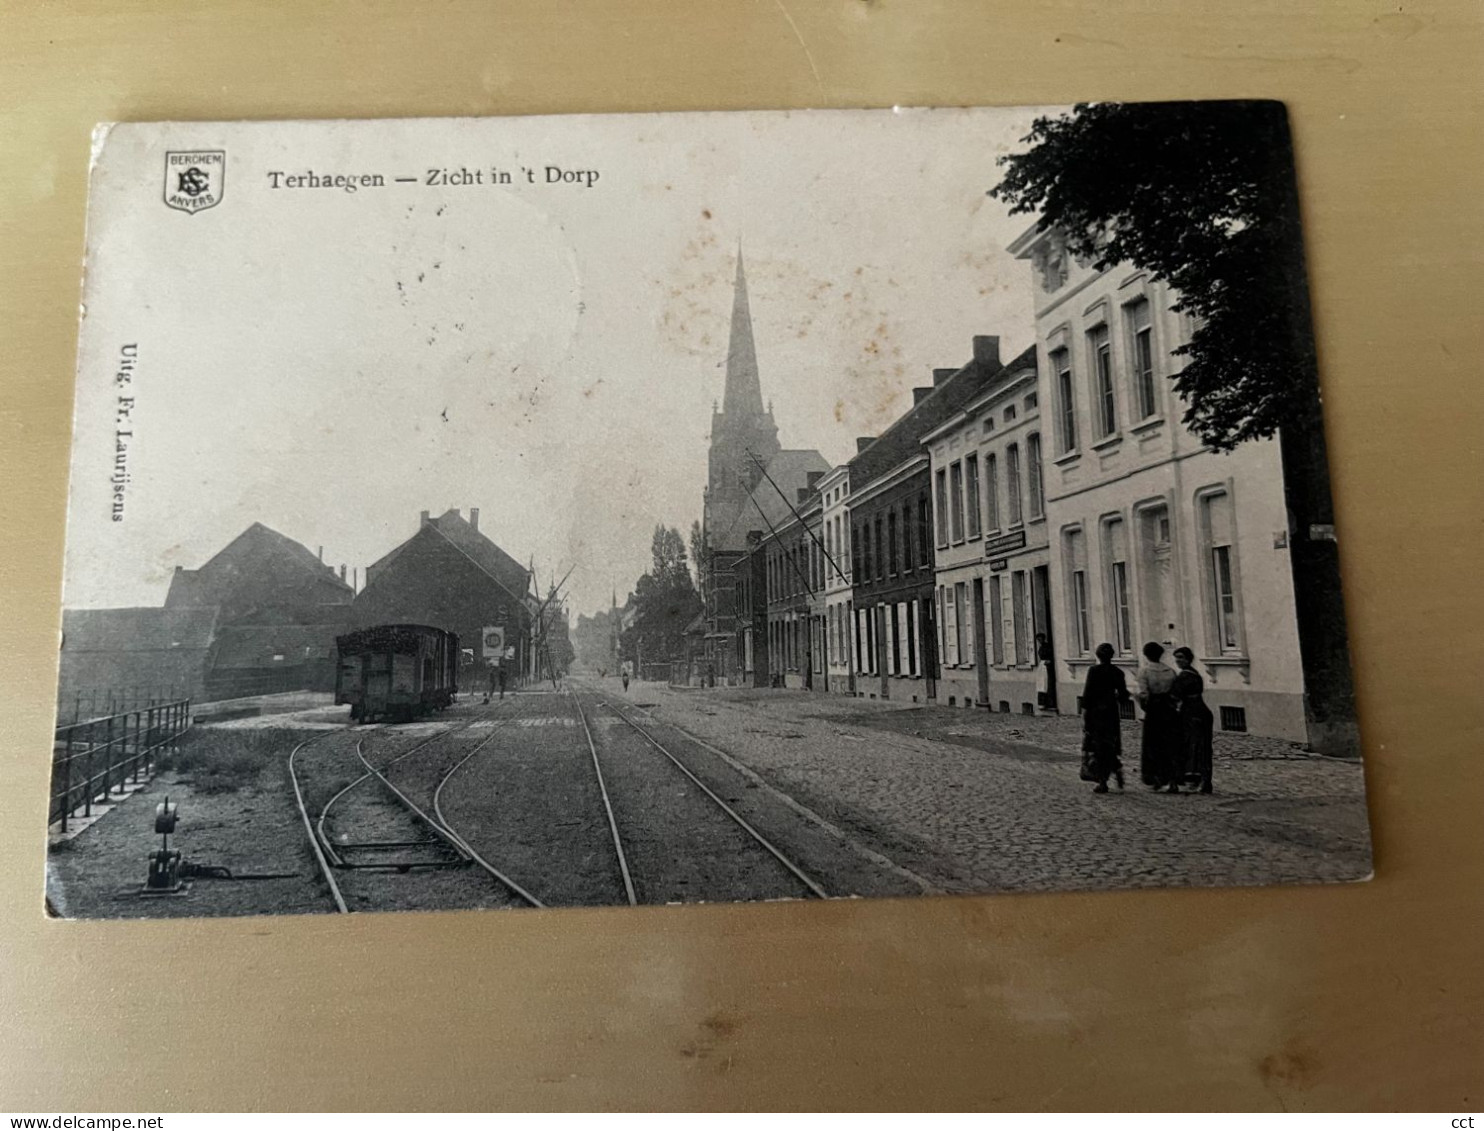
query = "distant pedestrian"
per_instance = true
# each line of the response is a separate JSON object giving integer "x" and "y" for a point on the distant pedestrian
{"x": 1163, "y": 739}
{"x": 1045, "y": 674}
{"x": 502, "y": 681}
{"x": 490, "y": 690}
{"x": 626, "y": 681}
{"x": 1102, "y": 730}
{"x": 1196, "y": 721}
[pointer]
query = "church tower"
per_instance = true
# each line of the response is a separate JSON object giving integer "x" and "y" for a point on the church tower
{"x": 743, "y": 429}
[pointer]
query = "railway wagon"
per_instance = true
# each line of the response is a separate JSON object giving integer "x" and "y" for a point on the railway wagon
{"x": 396, "y": 671}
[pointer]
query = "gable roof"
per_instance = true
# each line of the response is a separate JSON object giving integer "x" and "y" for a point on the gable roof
{"x": 185, "y": 583}
{"x": 770, "y": 506}
{"x": 139, "y": 629}
{"x": 492, "y": 561}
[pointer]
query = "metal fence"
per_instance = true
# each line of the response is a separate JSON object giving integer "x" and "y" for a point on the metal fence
{"x": 93, "y": 758}
{"x": 99, "y": 702}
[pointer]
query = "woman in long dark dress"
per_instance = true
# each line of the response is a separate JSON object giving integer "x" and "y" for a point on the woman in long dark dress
{"x": 1163, "y": 741}
{"x": 1197, "y": 724}
{"x": 1102, "y": 732}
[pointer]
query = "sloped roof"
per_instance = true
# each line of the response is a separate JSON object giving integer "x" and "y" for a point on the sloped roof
{"x": 769, "y": 505}
{"x": 254, "y": 646}
{"x": 139, "y": 629}
{"x": 491, "y": 560}
{"x": 185, "y": 583}
{"x": 902, "y": 437}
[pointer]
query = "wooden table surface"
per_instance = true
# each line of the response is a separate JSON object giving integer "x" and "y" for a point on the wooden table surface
{"x": 1364, "y": 996}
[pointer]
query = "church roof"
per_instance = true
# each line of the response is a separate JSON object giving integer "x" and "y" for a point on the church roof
{"x": 743, "y": 394}
{"x": 769, "y": 505}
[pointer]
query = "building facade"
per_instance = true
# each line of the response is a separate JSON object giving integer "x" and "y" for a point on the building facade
{"x": 993, "y": 563}
{"x": 1153, "y": 536}
{"x": 451, "y": 576}
{"x": 839, "y": 615}
{"x": 895, "y": 632}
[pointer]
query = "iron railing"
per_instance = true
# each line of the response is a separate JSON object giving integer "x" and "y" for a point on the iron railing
{"x": 99, "y": 702}
{"x": 93, "y": 758}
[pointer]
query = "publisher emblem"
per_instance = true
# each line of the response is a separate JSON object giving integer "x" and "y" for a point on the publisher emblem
{"x": 195, "y": 180}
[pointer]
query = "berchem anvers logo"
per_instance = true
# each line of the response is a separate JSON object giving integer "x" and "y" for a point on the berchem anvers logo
{"x": 195, "y": 180}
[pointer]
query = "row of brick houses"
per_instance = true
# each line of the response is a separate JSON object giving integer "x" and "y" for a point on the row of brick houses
{"x": 1019, "y": 514}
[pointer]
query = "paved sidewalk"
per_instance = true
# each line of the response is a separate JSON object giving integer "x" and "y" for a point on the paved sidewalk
{"x": 981, "y": 802}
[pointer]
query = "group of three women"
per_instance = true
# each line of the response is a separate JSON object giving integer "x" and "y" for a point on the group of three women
{"x": 1178, "y": 726}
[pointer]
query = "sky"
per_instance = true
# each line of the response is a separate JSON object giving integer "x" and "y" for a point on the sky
{"x": 331, "y": 363}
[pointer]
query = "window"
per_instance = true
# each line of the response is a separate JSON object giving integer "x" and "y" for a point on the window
{"x": 992, "y": 490}
{"x": 891, "y": 542}
{"x": 855, "y": 557}
{"x": 1076, "y": 565}
{"x": 912, "y": 665}
{"x": 900, "y": 641}
{"x": 1021, "y": 596}
{"x": 942, "y": 626}
{"x": 1012, "y": 478}
{"x": 1116, "y": 541}
{"x": 971, "y": 478}
{"x": 960, "y": 626}
{"x": 893, "y": 642}
{"x": 1217, "y": 533}
{"x": 1066, "y": 406}
{"x": 879, "y": 545}
{"x": 1031, "y": 401}
{"x": 1141, "y": 354}
{"x": 942, "y": 507}
{"x": 1033, "y": 469}
{"x": 924, "y": 546}
{"x": 1100, "y": 349}
{"x": 866, "y": 555}
{"x": 989, "y": 424}
{"x": 956, "y": 500}
{"x": 1009, "y": 413}
{"x": 907, "y": 538}
{"x": 996, "y": 626}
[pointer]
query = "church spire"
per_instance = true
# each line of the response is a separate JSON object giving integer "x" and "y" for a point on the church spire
{"x": 743, "y": 396}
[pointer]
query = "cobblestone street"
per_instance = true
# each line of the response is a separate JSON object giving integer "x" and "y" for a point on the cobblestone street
{"x": 983, "y": 802}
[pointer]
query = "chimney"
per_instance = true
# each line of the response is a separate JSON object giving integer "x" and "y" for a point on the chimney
{"x": 320, "y": 553}
{"x": 941, "y": 375}
{"x": 355, "y": 580}
{"x": 920, "y": 392}
{"x": 422, "y": 519}
{"x": 814, "y": 477}
{"x": 342, "y": 571}
{"x": 474, "y": 517}
{"x": 863, "y": 442}
{"x": 987, "y": 350}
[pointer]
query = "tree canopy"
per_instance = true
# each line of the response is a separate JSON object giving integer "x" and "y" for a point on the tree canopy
{"x": 665, "y": 601}
{"x": 1201, "y": 195}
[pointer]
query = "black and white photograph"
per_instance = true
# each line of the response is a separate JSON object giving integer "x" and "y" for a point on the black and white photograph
{"x": 657, "y": 509}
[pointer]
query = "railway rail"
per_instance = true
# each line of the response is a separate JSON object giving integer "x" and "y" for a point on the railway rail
{"x": 811, "y": 885}
{"x": 449, "y": 848}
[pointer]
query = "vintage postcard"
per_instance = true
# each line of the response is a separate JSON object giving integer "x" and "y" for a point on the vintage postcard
{"x": 659, "y": 509}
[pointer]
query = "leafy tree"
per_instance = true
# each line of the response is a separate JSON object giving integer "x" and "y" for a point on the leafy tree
{"x": 1202, "y": 195}
{"x": 698, "y": 557}
{"x": 665, "y": 601}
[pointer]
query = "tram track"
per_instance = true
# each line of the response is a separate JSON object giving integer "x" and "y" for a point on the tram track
{"x": 729, "y": 872}
{"x": 399, "y": 812}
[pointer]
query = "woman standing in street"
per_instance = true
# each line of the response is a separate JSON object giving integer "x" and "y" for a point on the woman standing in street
{"x": 1197, "y": 725}
{"x": 1161, "y": 750}
{"x": 1102, "y": 733}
